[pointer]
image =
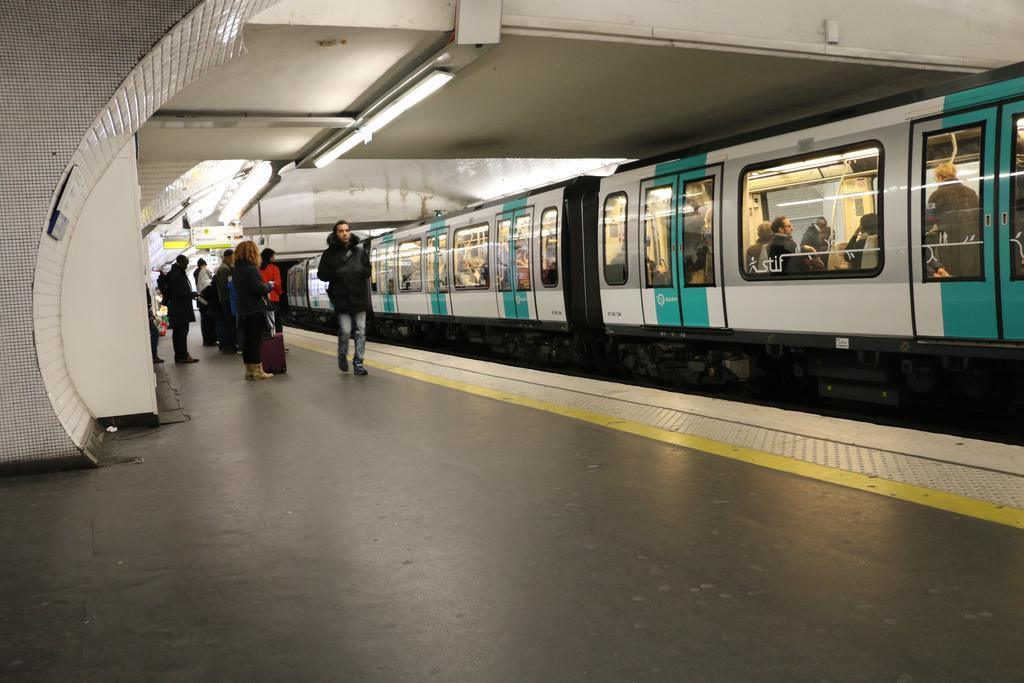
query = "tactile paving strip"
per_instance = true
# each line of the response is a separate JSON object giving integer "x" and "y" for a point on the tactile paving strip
{"x": 994, "y": 487}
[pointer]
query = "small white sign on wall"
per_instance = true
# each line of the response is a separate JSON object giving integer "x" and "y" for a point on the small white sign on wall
{"x": 69, "y": 203}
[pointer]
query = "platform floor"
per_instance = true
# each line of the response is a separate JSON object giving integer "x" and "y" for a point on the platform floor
{"x": 321, "y": 526}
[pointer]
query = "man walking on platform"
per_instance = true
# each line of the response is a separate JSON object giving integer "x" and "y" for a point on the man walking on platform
{"x": 179, "y": 308}
{"x": 226, "y": 319}
{"x": 346, "y": 267}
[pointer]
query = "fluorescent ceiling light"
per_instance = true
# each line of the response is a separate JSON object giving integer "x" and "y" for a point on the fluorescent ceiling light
{"x": 818, "y": 162}
{"x": 344, "y": 146}
{"x": 419, "y": 92}
{"x": 206, "y": 202}
{"x": 250, "y": 187}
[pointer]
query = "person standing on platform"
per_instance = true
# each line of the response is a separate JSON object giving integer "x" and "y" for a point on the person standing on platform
{"x": 346, "y": 267}
{"x": 226, "y": 319}
{"x": 179, "y": 308}
{"x": 207, "y": 324}
{"x": 271, "y": 273}
{"x": 251, "y": 293}
{"x": 154, "y": 331}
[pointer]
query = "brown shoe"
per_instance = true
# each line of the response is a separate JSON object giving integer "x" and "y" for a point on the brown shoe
{"x": 187, "y": 359}
{"x": 259, "y": 373}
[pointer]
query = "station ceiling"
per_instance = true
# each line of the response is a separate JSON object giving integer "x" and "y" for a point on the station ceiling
{"x": 535, "y": 97}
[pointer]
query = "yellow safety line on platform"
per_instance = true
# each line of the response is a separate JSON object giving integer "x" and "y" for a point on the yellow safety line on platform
{"x": 942, "y": 500}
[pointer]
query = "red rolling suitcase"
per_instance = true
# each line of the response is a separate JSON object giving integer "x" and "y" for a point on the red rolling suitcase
{"x": 272, "y": 353}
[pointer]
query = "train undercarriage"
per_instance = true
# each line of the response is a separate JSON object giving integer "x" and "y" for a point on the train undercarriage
{"x": 770, "y": 370}
{"x": 791, "y": 374}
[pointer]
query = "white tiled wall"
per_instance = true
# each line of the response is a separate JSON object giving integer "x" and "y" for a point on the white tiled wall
{"x": 76, "y": 78}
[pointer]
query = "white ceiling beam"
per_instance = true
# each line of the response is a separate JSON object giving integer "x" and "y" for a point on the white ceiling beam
{"x": 418, "y": 15}
{"x": 923, "y": 34}
{"x": 181, "y": 120}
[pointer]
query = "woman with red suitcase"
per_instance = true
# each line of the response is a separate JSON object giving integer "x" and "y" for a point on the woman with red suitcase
{"x": 253, "y": 308}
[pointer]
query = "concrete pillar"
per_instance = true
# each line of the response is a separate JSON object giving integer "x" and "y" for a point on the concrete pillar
{"x": 103, "y": 317}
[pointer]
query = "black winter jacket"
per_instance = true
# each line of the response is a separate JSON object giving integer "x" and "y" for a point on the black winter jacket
{"x": 179, "y": 297}
{"x": 347, "y": 269}
{"x": 249, "y": 289}
{"x": 778, "y": 252}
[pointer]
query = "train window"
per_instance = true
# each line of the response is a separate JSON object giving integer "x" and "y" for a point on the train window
{"x": 549, "y": 247}
{"x": 410, "y": 264}
{"x": 951, "y": 225}
{"x": 658, "y": 236}
{"x": 814, "y": 215}
{"x": 521, "y": 244}
{"x": 469, "y": 252}
{"x": 373, "y": 270}
{"x": 387, "y": 269}
{"x": 698, "y": 214}
{"x": 435, "y": 254}
{"x": 615, "y": 269}
{"x": 1017, "y": 204}
{"x": 501, "y": 257}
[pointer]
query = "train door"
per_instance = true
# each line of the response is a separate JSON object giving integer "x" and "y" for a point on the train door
{"x": 549, "y": 295}
{"x": 660, "y": 268}
{"x": 376, "y": 300}
{"x": 698, "y": 227}
{"x": 952, "y": 202}
{"x": 512, "y": 264}
{"x": 1011, "y": 220}
{"x": 679, "y": 228}
{"x": 435, "y": 255}
{"x": 386, "y": 275}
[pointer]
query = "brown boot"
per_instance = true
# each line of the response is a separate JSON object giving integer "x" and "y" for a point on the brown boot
{"x": 258, "y": 373}
{"x": 248, "y": 371}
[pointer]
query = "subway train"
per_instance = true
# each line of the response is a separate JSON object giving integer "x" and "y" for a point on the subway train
{"x": 872, "y": 254}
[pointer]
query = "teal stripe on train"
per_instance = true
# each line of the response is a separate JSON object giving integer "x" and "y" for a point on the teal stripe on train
{"x": 508, "y": 299}
{"x": 968, "y": 308}
{"x": 1011, "y": 294}
{"x": 514, "y": 204}
{"x": 983, "y": 94}
{"x": 694, "y": 300}
{"x": 438, "y": 299}
{"x": 390, "y": 305}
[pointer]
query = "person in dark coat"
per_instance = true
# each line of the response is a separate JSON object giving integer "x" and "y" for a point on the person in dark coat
{"x": 952, "y": 223}
{"x": 179, "y": 308}
{"x": 207, "y": 320}
{"x": 226, "y": 317}
{"x": 781, "y": 248}
{"x": 861, "y": 242}
{"x": 154, "y": 331}
{"x": 757, "y": 253}
{"x": 818, "y": 235}
{"x": 252, "y": 307}
{"x": 346, "y": 267}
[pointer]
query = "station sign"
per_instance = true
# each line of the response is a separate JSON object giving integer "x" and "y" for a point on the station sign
{"x": 216, "y": 237}
{"x": 176, "y": 240}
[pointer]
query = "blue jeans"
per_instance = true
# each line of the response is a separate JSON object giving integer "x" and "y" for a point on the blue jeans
{"x": 345, "y": 331}
{"x": 226, "y": 335}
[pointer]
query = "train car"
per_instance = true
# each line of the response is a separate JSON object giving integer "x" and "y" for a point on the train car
{"x": 307, "y": 296}
{"x": 874, "y": 254}
{"x": 497, "y": 273}
{"x": 889, "y": 257}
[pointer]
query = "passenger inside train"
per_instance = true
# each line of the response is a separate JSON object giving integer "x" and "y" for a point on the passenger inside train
{"x": 952, "y": 224}
{"x": 841, "y": 183}
{"x": 698, "y": 232}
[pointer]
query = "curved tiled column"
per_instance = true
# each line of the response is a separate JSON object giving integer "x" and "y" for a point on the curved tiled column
{"x": 59, "y": 64}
